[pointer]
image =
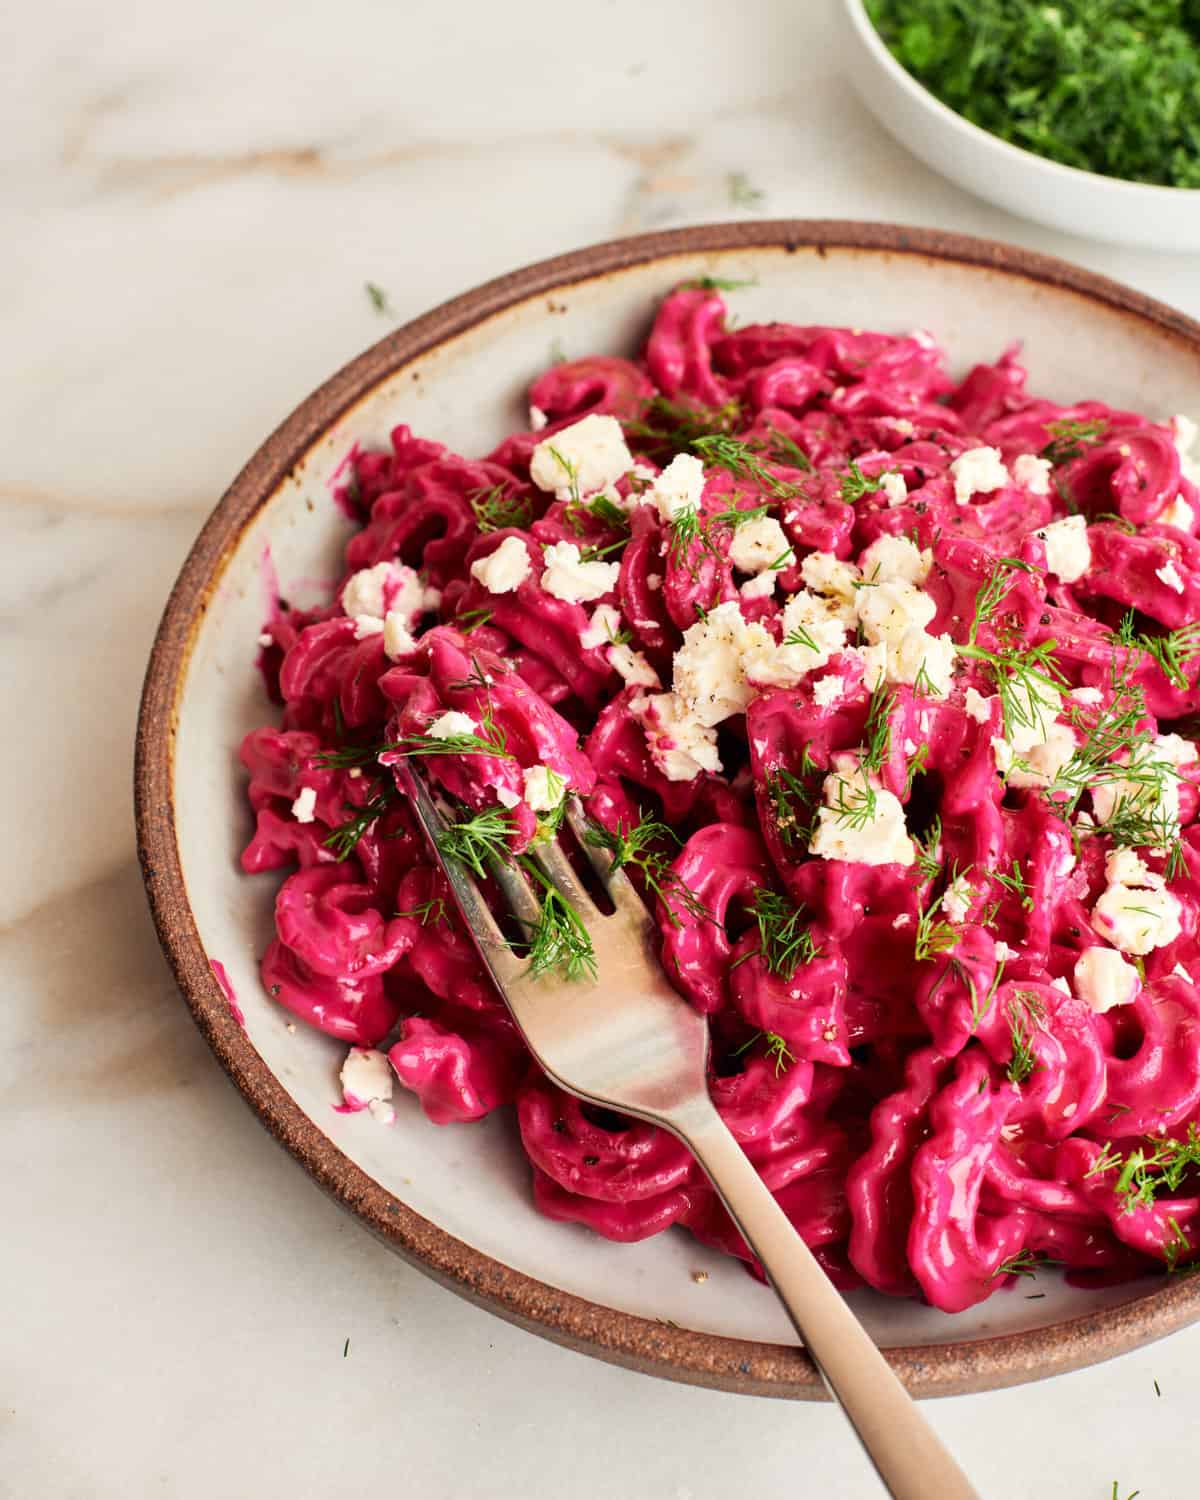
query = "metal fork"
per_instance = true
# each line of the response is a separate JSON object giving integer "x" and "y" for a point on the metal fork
{"x": 628, "y": 1041}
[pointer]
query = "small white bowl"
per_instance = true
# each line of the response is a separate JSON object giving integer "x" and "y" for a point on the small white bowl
{"x": 1085, "y": 203}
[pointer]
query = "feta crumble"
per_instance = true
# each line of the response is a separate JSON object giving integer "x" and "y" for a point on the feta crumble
{"x": 679, "y": 746}
{"x": 582, "y": 459}
{"x": 544, "y": 788}
{"x": 978, "y": 471}
{"x": 447, "y": 725}
{"x": 537, "y": 419}
{"x": 506, "y": 797}
{"x": 710, "y": 666}
{"x": 602, "y": 629}
{"x": 1179, "y": 513}
{"x": 894, "y": 489}
{"x": 304, "y": 808}
{"x": 957, "y": 898}
{"x": 365, "y": 625}
{"x": 1169, "y": 574}
{"x": 505, "y": 568}
{"x": 1104, "y": 979}
{"x": 678, "y": 488}
{"x": 859, "y": 820}
{"x": 1136, "y": 912}
{"x": 397, "y": 639}
{"x": 567, "y": 577}
{"x": 1032, "y": 472}
{"x": 367, "y": 1083}
{"x": 632, "y": 666}
{"x": 828, "y": 690}
{"x": 386, "y": 586}
{"x": 977, "y": 706}
{"x": 759, "y": 544}
{"x": 1068, "y": 551}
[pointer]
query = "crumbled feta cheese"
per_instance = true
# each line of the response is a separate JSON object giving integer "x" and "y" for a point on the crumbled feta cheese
{"x": 1169, "y": 574}
{"x": 1032, "y": 472}
{"x": 566, "y": 577}
{"x": 1174, "y": 749}
{"x": 895, "y": 491}
{"x": 365, "y": 625}
{"x": 678, "y": 488}
{"x": 710, "y": 666}
{"x": 447, "y": 725}
{"x": 902, "y": 425}
{"x": 1183, "y": 974}
{"x": 901, "y": 921}
{"x": 679, "y": 746}
{"x": 957, "y": 899}
{"x": 828, "y": 690}
{"x": 1068, "y": 551}
{"x": 859, "y": 820}
{"x": 505, "y": 568}
{"x": 1060, "y": 984}
{"x": 1003, "y": 753}
{"x": 544, "y": 788}
{"x": 1040, "y": 705}
{"x": 924, "y": 659}
{"x": 890, "y": 608}
{"x": 632, "y": 666}
{"x": 760, "y": 543}
{"x": 1104, "y": 979}
{"x": 1005, "y": 954}
{"x": 304, "y": 808}
{"x": 977, "y": 706}
{"x": 874, "y": 660}
{"x": 386, "y": 586}
{"x": 1041, "y": 763}
{"x": 815, "y": 634}
{"x": 1135, "y": 912}
{"x": 367, "y": 1083}
{"x": 978, "y": 471}
{"x": 581, "y": 459}
{"x": 265, "y": 638}
{"x": 602, "y": 629}
{"x": 537, "y": 419}
{"x": 761, "y": 586}
{"x": 397, "y": 639}
{"x": 1179, "y": 513}
{"x": 507, "y": 798}
{"x": 895, "y": 557}
{"x": 1086, "y": 697}
{"x": 354, "y": 772}
{"x": 828, "y": 575}
{"x": 654, "y": 582}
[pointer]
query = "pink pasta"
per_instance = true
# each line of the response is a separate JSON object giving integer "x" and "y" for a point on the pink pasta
{"x": 883, "y": 687}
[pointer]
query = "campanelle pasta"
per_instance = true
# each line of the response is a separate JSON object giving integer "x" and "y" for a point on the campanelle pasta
{"x": 881, "y": 687}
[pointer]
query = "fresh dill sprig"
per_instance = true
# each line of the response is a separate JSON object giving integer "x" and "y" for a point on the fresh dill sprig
{"x": 472, "y": 619}
{"x": 685, "y": 529}
{"x": 1172, "y": 652}
{"x": 491, "y": 740}
{"x": 1069, "y": 438}
{"x": 784, "y": 942}
{"x": 634, "y": 849}
{"x": 378, "y": 299}
{"x": 1178, "y": 1245}
{"x": 1159, "y": 1166}
{"x": 776, "y": 1049}
{"x": 478, "y": 839}
{"x": 559, "y": 939}
{"x": 916, "y": 767}
{"x": 739, "y": 458}
{"x": 1025, "y": 1015}
{"x": 1014, "y": 881}
{"x": 1027, "y": 677}
{"x": 793, "y": 806}
{"x": 742, "y": 192}
{"x": 934, "y": 934}
{"x": 856, "y": 802}
{"x": 718, "y": 283}
{"x": 343, "y": 839}
{"x": 498, "y": 508}
{"x": 927, "y": 860}
{"x": 877, "y": 731}
{"x": 799, "y": 636}
{"x": 781, "y": 449}
{"x": 856, "y": 484}
{"x": 571, "y": 470}
{"x": 676, "y": 425}
{"x": 1024, "y": 1263}
{"x": 430, "y": 912}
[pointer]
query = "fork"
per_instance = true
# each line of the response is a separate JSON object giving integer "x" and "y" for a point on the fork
{"x": 626, "y": 1040}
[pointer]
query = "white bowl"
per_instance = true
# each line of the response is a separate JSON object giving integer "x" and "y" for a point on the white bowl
{"x": 1085, "y": 203}
{"x": 456, "y": 1199}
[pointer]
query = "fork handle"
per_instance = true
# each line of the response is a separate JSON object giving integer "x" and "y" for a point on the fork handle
{"x": 907, "y": 1454}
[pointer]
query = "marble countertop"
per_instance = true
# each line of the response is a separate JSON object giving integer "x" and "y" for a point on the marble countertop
{"x": 194, "y": 199}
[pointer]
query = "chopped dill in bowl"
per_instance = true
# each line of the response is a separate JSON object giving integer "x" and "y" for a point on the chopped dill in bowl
{"x": 1109, "y": 86}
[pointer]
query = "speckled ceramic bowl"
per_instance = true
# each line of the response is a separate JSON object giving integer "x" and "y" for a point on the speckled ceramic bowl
{"x": 456, "y": 1200}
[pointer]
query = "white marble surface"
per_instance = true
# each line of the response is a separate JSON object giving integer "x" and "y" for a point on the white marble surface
{"x": 193, "y": 199}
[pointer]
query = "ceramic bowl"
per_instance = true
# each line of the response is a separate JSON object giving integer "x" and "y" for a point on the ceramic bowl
{"x": 1085, "y": 203}
{"x": 456, "y": 1200}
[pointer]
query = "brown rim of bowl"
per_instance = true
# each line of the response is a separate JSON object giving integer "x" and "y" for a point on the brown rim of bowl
{"x": 621, "y": 1338}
